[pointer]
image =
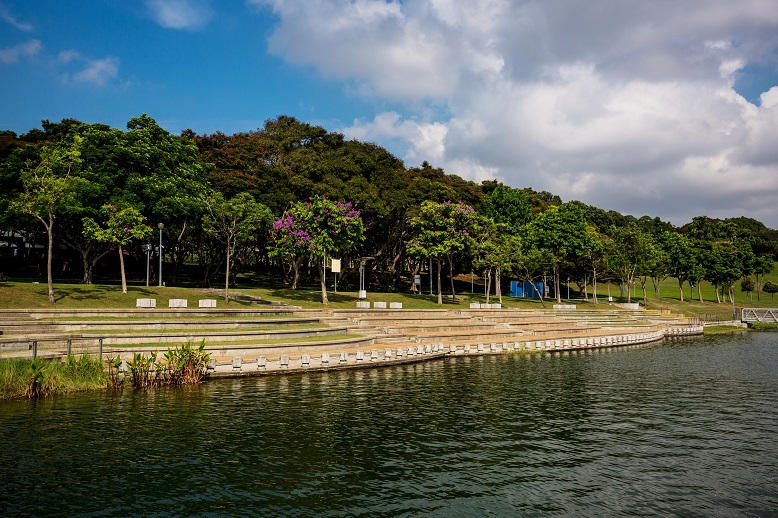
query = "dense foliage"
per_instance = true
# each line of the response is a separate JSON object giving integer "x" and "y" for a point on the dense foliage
{"x": 276, "y": 202}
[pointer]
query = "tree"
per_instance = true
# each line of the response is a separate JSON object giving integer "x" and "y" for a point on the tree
{"x": 630, "y": 253}
{"x": 333, "y": 227}
{"x": 681, "y": 257}
{"x": 530, "y": 265}
{"x": 234, "y": 221}
{"x": 747, "y": 285}
{"x": 45, "y": 184}
{"x": 762, "y": 266}
{"x": 658, "y": 267}
{"x": 122, "y": 226}
{"x": 314, "y": 229}
{"x": 771, "y": 288}
{"x": 507, "y": 206}
{"x": 722, "y": 268}
{"x": 563, "y": 233}
{"x": 290, "y": 241}
{"x": 441, "y": 230}
{"x": 495, "y": 247}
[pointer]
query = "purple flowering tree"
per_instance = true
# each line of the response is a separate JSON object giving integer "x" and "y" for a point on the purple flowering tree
{"x": 316, "y": 228}
{"x": 121, "y": 227}
{"x": 290, "y": 242}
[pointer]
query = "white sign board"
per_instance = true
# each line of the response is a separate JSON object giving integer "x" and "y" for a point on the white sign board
{"x": 335, "y": 265}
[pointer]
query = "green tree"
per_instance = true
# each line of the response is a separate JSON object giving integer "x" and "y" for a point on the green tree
{"x": 722, "y": 268}
{"x": 234, "y": 221}
{"x": 561, "y": 232}
{"x": 747, "y": 285}
{"x": 680, "y": 255}
{"x": 530, "y": 264}
{"x": 121, "y": 227}
{"x": 630, "y": 253}
{"x": 762, "y": 266}
{"x": 771, "y": 288}
{"x": 441, "y": 230}
{"x": 507, "y": 206}
{"x": 45, "y": 184}
{"x": 495, "y": 246}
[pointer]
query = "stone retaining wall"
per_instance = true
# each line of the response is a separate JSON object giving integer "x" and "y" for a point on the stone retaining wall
{"x": 379, "y": 355}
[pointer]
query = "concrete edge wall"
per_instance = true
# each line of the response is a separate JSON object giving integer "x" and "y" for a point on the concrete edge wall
{"x": 385, "y": 355}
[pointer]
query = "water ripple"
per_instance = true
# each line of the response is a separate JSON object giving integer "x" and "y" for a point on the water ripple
{"x": 686, "y": 427}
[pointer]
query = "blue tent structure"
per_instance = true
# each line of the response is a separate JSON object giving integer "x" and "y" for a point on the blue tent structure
{"x": 525, "y": 289}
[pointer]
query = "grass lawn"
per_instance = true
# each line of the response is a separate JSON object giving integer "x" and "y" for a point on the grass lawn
{"x": 26, "y": 294}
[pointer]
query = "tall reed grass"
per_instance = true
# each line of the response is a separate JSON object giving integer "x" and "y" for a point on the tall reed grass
{"x": 34, "y": 378}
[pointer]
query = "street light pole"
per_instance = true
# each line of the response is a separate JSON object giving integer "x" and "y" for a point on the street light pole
{"x": 161, "y": 226}
{"x": 148, "y": 247}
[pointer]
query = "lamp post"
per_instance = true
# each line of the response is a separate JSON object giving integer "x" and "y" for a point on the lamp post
{"x": 148, "y": 248}
{"x": 161, "y": 226}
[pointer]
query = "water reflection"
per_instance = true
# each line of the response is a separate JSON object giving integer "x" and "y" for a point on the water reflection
{"x": 682, "y": 427}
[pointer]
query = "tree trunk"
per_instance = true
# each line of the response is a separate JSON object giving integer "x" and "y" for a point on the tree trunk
{"x": 655, "y": 282}
{"x": 227, "y": 276}
{"x": 699, "y": 290}
{"x": 498, "y": 285}
{"x": 49, "y": 275}
{"x": 322, "y": 266}
{"x": 121, "y": 268}
{"x": 488, "y": 284}
{"x": 594, "y": 286}
{"x": 680, "y": 288}
{"x": 556, "y": 285}
{"x": 440, "y": 291}
{"x": 296, "y": 262}
{"x": 451, "y": 277}
{"x": 87, "y": 279}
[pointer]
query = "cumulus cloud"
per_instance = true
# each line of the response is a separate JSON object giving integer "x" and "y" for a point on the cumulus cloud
{"x": 179, "y": 14}
{"x": 26, "y": 50}
{"x": 97, "y": 72}
{"x": 629, "y": 106}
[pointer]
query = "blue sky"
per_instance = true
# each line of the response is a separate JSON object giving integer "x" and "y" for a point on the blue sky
{"x": 666, "y": 108}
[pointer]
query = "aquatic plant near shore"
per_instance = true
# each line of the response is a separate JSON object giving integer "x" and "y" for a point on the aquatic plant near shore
{"x": 180, "y": 366}
{"x": 186, "y": 364}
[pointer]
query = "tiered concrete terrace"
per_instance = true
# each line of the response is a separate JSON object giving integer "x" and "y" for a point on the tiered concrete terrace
{"x": 276, "y": 340}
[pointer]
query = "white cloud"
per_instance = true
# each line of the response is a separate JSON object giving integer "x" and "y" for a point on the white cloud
{"x": 426, "y": 139}
{"x": 13, "y": 54}
{"x": 97, "y": 72}
{"x": 629, "y": 106}
{"x": 9, "y": 18}
{"x": 179, "y": 14}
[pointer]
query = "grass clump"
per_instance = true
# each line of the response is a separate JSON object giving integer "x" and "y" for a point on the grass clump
{"x": 35, "y": 378}
{"x": 764, "y": 326}
{"x": 723, "y": 330}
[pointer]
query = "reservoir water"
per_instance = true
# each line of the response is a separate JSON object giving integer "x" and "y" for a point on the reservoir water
{"x": 683, "y": 428}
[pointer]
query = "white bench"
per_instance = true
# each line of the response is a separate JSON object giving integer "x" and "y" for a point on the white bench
{"x": 177, "y": 303}
{"x": 207, "y": 303}
{"x": 145, "y": 303}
